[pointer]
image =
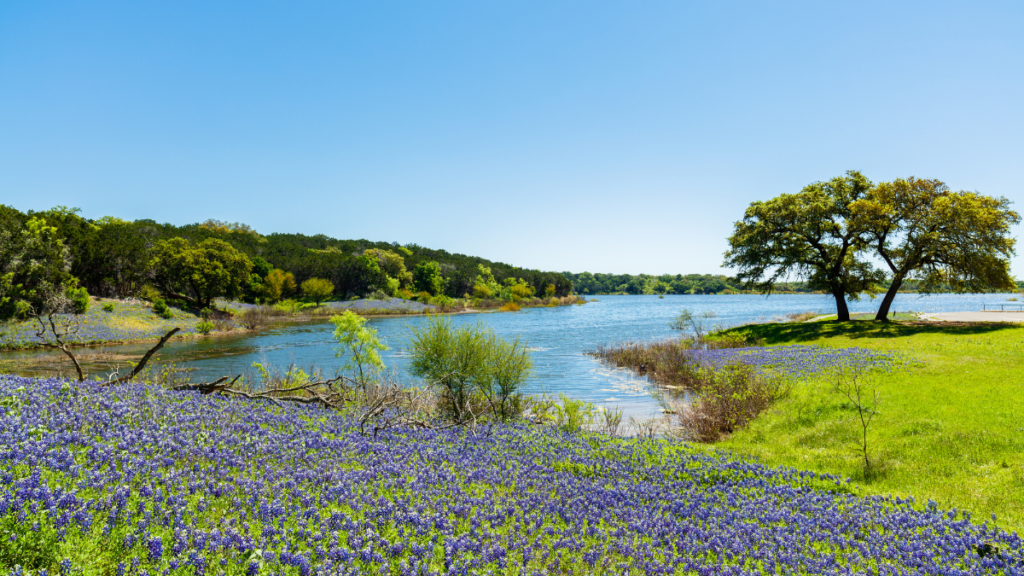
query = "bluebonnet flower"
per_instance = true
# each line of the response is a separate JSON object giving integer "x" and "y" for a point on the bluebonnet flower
{"x": 256, "y": 488}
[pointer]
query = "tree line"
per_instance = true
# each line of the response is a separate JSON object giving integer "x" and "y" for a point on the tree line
{"x": 849, "y": 237}
{"x": 58, "y": 250}
{"x": 598, "y": 283}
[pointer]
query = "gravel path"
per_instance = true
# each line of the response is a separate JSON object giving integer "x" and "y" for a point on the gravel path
{"x": 974, "y": 316}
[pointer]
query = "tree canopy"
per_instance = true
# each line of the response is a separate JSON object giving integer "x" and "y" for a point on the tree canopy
{"x": 956, "y": 240}
{"x": 112, "y": 258}
{"x": 200, "y": 272}
{"x": 810, "y": 235}
{"x": 829, "y": 233}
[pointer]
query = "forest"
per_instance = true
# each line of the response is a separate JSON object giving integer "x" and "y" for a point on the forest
{"x": 111, "y": 257}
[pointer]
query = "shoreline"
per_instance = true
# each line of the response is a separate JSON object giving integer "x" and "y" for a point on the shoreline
{"x": 284, "y": 319}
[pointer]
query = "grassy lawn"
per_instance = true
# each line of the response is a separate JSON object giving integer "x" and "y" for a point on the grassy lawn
{"x": 949, "y": 428}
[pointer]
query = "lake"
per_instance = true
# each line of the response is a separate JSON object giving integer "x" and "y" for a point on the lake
{"x": 558, "y": 339}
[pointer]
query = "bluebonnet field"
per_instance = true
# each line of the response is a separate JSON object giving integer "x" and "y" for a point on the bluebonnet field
{"x": 136, "y": 479}
{"x": 797, "y": 361}
{"x": 126, "y": 323}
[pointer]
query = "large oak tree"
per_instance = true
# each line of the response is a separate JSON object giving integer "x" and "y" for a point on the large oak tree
{"x": 810, "y": 235}
{"x": 200, "y": 272}
{"x": 950, "y": 240}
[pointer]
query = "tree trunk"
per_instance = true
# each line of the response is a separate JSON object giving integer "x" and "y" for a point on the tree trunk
{"x": 78, "y": 367}
{"x": 890, "y": 295}
{"x": 842, "y": 311}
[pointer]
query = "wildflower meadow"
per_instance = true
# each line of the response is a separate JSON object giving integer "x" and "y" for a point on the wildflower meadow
{"x": 138, "y": 480}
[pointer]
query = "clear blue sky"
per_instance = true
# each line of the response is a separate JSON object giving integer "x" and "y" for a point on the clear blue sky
{"x": 600, "y": 136}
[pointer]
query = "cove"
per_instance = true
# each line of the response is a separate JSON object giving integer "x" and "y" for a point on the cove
{"x": 558, "y": 338}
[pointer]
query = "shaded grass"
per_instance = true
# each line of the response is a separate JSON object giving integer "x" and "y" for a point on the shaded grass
{"x": 950, "y": 429}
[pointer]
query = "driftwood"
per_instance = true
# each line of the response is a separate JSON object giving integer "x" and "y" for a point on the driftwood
{"x": 379, "y": 407}
{"x": 208, "y": 387}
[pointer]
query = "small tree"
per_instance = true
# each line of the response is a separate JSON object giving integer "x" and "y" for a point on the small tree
{"x": 953, "y": 240}
{"x": 279, "y": 284}
{"x": 810, "y": 234}
{"x": 317, "y": 289}
{"x": 426, "y": 277}
{"x": 693, "y": 321}
{"x": 851, "y": 382}
{"x": 360, "y": 344}
{"x": 452, "y": 360}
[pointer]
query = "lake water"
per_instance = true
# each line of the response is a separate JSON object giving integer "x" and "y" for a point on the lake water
{"x": 558, "y": 338}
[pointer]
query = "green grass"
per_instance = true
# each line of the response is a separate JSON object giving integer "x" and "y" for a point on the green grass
{"x": 949, "y": 428}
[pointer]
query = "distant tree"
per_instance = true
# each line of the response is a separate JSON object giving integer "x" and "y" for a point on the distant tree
{"x": 254, "y": 288}
{"x": 118, "y": 261}
{"x": 485, "y": 286}
{"x": 809, "y": 234}
{"x": 953, "y": 240}
{"x": 199, "y": 272}
{"x": 279, "y": 284}
{"x": 317, "y": 289}
{"x": 427, "y": 277}
{"x": 391, "y": 264}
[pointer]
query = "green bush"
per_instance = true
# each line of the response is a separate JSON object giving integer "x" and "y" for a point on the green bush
{"x": 108, "y": 307}
{"x": 204, "y": 327}
{"x": 148, "y": 292}
{"x": 79, "y": 300}
{"x": 476, "y": 372}
{"x": 161, "y": 309}
{"x": 290, "y": 306}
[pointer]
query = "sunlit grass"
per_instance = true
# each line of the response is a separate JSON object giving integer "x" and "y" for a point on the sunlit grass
{"x": 949, "y": 428}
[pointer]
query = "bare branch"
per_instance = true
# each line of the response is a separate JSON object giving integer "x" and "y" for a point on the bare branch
{"x": 142, "y": 363}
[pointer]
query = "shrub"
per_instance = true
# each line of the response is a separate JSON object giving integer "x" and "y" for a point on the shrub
{"x": 79, "y": 300}
{"x": 509, "y": 307}
{"x": 289, "y": 306}
{"x": 728, "y": 397}
{"x": 205, "y": 327}
{"x": 161, "y": 309}
{"x": 424, "y": 297}
{"x": 255, "y": 317}
{"x": 148, "y": 292}
{"x": 108, "y": 307}
{"x": 474, "y": 370}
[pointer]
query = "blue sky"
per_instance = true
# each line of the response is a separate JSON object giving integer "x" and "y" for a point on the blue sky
{"x": 601, "y": 136}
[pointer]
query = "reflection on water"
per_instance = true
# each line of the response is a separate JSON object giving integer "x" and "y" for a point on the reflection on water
{"x": 557, "y": 337}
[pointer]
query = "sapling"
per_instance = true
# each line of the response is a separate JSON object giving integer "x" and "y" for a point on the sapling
{"x": 851, "y": 382}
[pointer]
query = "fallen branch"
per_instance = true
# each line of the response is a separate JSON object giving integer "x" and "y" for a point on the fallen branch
{"x": 208, "y": 387}
{"x": 142, "y": 363}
